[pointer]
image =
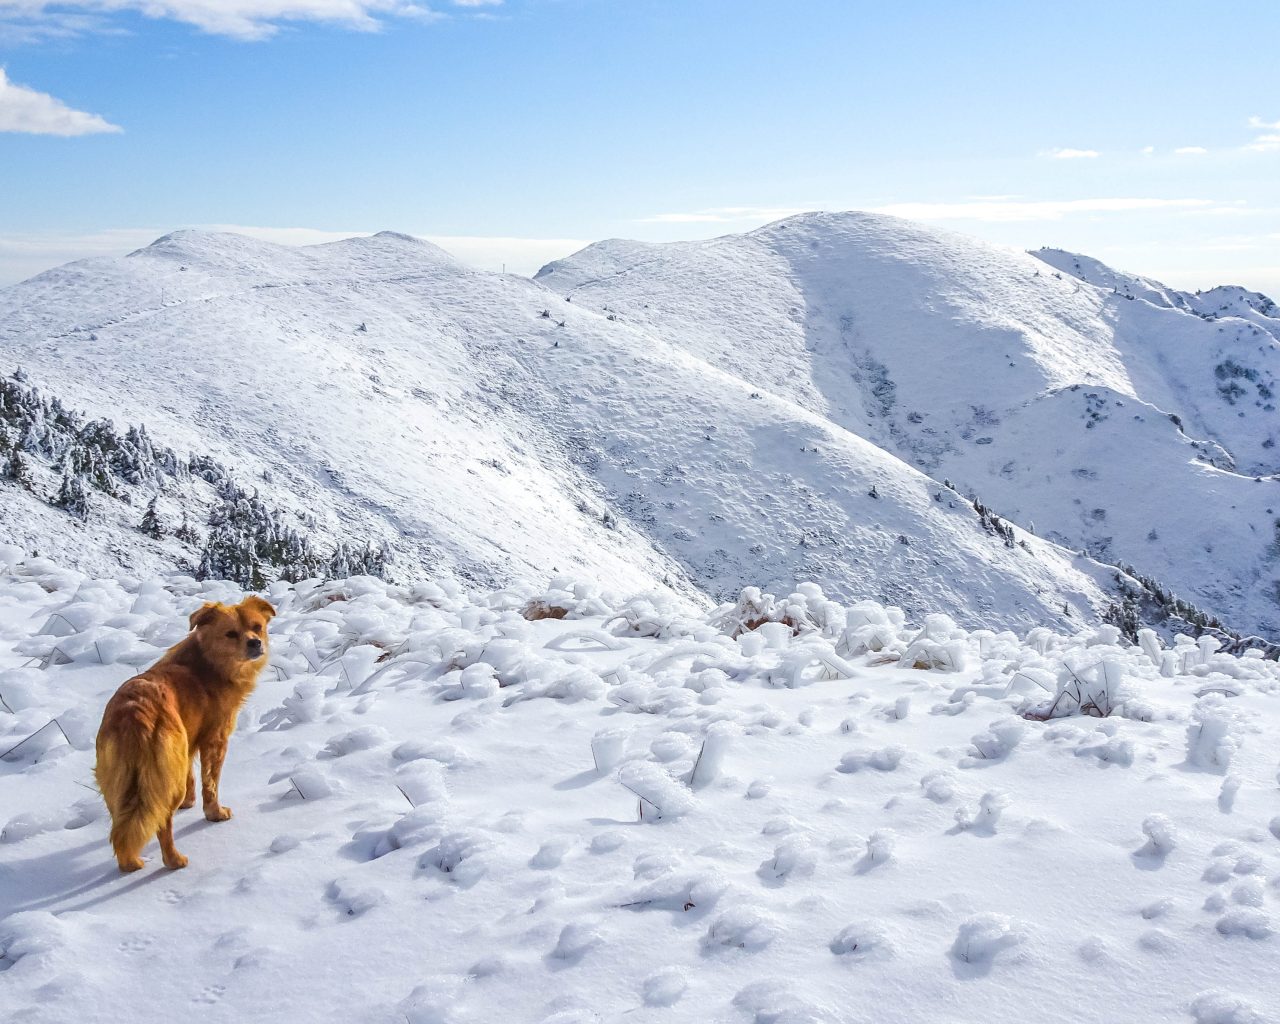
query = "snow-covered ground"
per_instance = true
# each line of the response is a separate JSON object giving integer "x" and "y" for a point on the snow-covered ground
{"x": 446, "y": 812}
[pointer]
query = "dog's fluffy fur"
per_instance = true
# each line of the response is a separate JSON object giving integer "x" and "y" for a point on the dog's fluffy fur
{"x": 155, "y": 724}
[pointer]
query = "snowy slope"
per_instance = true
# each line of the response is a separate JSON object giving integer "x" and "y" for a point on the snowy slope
{"x": 446, "y": 814}
{"x": 1113, "y": 414}
{"x": 493, "y": 431}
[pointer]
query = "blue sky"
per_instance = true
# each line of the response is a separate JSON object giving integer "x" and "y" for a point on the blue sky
{"x": 1147, "y": 134}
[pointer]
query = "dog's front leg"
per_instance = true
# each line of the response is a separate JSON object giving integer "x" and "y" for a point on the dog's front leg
{"x": 211, "y": 758}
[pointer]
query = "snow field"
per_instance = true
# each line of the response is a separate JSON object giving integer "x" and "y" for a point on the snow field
{"x": 446, "y": 812}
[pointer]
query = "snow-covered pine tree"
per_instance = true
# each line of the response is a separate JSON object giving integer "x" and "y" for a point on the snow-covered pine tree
{"x": 229, "y": 555}
{"x": 185, "y": 532}
{"x": 151, "y": 524}
{"x": 73, "y": 496}
{"x": 17, "y": 470}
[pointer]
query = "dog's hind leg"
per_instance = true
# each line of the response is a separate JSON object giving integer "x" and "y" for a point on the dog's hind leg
{"x": 127, "y": 840}
{"x": 172, "y": 858}
{"x": 212, "y": 755}
{"x": 190, "y": 799}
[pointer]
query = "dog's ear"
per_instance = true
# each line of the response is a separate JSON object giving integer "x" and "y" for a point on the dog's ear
{"x": 204, "y": 614}
{"x": 254, "y": 603}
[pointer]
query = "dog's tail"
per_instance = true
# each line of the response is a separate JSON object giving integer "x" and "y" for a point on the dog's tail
{"x": 142, "y": 767}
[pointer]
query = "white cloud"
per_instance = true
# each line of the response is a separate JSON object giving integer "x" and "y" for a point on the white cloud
{"x": 1190, "y": 151}
{"x": 242, "y": 19}
{"x": 1269, "y": 140}
{"x": 1040, "y": 209}
{"x": 991, "y": 209}
{"x": 1071, "y": 154}
{"x": 1148, "y": 150}
{"x": 726, "y": 215}
{"x": 38, "y": 113}
{"x": 25, "y": 255}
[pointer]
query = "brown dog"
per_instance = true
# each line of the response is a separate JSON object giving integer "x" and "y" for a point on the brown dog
{"x": 156, "y": 723}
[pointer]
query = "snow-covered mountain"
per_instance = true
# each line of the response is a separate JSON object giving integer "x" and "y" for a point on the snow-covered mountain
{"x": 493, "y": 431}
{"x": 1110, "y": 412}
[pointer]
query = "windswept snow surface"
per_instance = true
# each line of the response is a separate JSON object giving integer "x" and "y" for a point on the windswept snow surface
{"x": 493, "y": 431}
{"x": 1114, "y": 414}
{"x": 447, "y": 813}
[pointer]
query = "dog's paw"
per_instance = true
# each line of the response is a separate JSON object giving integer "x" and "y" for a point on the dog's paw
{"x": 175, "y": 862}
{"x": 136, "y": 864}
{"x": 187, "y": 803}
{"x": 217, "y": 813}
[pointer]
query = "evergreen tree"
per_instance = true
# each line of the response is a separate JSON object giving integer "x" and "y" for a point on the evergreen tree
{"x": 151, "y": 524}
{"x": 185, "y": 532}
{"x": 229, "y": 555}
{"x": 73, "y": 497}
{"x": 17, "y": 469}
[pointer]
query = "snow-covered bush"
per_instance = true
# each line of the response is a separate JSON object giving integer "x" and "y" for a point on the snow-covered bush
{"x": 565, "y": 599}
{"x": 884, "y": 759}
{"x": 940, "y": 645}
{"x": 996, "y": 743}
{"x": 1098, "y": 691}
{"x": 661, "y": 797}
{"x": 870, "y": 627}
{"x": 1215, "y": 733}
{"x": 982, "y": 937}
{"x": 754, "y": 609}
{"x": 1161, "y": 836}
{"x": 656, "y": 615}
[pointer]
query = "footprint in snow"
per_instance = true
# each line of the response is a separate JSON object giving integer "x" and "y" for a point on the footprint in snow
{"x": 1249, "y": 893}
{"x": 776, "y": 1002}
{"x": 1156, "y": 940}
{"x": 1158, "y": 908}
{"x": 135, "y": 944}
{"x": 576, "y": 941}
{"x": 550, "y": 854}
{"x": 664, "y": 987}
{"x": 939, "y": 786}
{"x": 759, "y": 789}
{"x": 607, "y": 842}
{"x": 210, "y": 994}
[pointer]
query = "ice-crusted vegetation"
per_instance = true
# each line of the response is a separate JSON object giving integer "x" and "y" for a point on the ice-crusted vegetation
{"x": 551, "y": 803}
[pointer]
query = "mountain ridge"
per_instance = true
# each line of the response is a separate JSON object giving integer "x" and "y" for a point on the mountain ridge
{"x": 490, "y": 427}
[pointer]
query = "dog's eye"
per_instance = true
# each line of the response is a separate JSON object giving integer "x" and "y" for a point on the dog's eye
{"x": 232, "y": 635}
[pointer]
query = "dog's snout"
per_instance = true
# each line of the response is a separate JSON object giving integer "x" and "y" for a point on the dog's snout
{"x": 254, "y": 646}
